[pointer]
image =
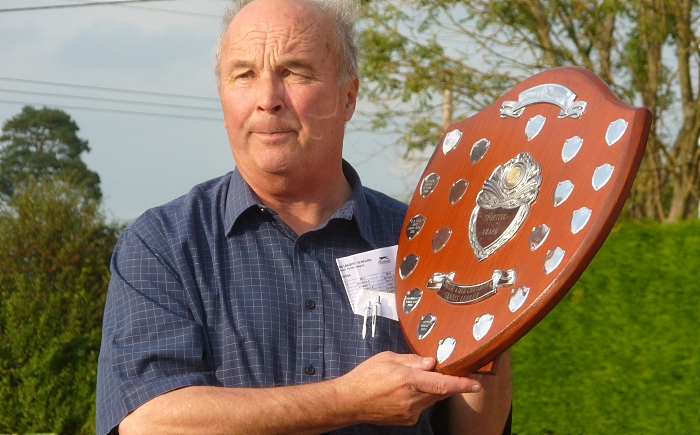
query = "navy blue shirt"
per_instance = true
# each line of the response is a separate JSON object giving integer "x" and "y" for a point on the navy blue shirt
{"x": 214, "y": 289}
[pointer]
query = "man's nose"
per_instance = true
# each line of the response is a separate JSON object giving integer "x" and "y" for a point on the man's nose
{"x": 271, "y": 93}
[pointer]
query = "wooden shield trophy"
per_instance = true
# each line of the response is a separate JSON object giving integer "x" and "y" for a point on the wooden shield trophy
{"x": 512, "y": 206}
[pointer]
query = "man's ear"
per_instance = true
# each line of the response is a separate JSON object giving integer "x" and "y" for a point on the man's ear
{"x": 350, "y": 92}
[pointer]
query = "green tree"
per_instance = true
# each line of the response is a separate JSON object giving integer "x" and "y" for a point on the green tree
{"x": 54, "y": 272}
{"x": 42, "y": 142}
{"x": 427, "y": 63}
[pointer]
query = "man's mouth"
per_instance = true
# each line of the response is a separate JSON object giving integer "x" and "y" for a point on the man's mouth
{"x": 273, "y": 134}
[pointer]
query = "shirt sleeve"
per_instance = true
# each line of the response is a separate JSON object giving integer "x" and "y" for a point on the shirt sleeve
{"x": 151, "y": 341}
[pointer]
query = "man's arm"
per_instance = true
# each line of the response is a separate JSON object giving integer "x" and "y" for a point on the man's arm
{"x": 485, "y": 412}
{"x": 387, "y": 389}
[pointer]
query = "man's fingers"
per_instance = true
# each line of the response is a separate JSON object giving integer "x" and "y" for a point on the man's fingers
{"x": 445, "y": 385}
{"x": 411, "y": 360}
{"x": 427, "y": 381}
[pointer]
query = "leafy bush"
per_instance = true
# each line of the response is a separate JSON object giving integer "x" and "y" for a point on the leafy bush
{"x": 54, "y": 271}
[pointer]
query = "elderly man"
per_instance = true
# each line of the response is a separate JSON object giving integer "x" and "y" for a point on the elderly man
{"x": 226, "y": 312}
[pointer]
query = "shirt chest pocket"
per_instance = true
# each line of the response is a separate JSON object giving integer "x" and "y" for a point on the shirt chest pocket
{"x": 387, "y": 336}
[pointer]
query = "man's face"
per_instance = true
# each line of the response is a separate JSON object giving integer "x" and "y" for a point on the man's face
{"x": 283, "y": 109}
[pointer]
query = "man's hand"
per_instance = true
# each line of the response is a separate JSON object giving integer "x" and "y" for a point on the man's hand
{"x": 486, "y": 412}
{"x": 393, "y": 389}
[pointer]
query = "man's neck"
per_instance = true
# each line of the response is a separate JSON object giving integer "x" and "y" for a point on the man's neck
{"x": 304, "y": 204}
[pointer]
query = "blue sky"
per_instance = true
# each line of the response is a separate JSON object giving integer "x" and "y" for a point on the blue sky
{"x": 146, "y": 160}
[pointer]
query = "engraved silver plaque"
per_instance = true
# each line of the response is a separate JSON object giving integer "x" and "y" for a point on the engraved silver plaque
{"x": 457, "y": 191}
{"x": 562, "y": 192}
{"x": 517, "y": 298}
{"x": 481, "y": 326}
{"x": 428, "y": 184}
{"x": 615, "y": 131}
{"x": 454, "y": 293}
{"x": 467, "y": 294}
{"x": 441, "y": 237}
{"x": 445, "y": 348}
{"x": 435, "y": 283}
{"x": 411, "y": 300}
{"x": 425, "y": 325}
{"x": 408, "y": 264}
{"x": 548, "y": 93}
{"x": 451, "y": 140}
{"x": 602, "y": 175}
{"x": 571, "y": 148}
{"x": 534, "y": 126}
{"x": 479, "y": 150}
{"x": 580, "y": 219}
{"x": 538, "y": 236}
{"x": 553, "y": 259}
{"x": 415, "y": 224}
{"x": 503, "y": 204}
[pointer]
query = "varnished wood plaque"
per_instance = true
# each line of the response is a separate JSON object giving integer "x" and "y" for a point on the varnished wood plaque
{"x": 511, "y": 208}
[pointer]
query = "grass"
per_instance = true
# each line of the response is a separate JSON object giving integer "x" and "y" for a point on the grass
{"x": 621, "y": 353}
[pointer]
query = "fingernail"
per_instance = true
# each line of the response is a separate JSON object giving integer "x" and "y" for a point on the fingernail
{"x": 427, "y": 361}
{"x": 476, "y": 388}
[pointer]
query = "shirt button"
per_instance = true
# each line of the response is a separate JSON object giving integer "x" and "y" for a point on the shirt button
{"x": 304, "y": 246}
{"x": 310, "y": 304}
{"x": 310, "y": 370}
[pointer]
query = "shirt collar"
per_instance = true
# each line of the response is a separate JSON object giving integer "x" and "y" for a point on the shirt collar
{"x": 241, "y": 197}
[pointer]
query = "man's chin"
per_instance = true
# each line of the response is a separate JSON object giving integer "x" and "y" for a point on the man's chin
{"x": 281, "y": 165}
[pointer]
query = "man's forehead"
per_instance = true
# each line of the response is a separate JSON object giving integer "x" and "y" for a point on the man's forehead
{"x": 282, "y": 36}
{"x": 284, "y": 28}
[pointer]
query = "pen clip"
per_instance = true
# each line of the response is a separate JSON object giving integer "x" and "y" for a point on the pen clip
{"x": 376, "y": 309}
{"x": 368, "y": 312}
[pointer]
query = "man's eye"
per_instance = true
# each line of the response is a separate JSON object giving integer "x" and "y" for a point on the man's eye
{"x": 292, "y": 73}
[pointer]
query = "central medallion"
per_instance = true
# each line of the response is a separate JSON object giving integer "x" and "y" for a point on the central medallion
{"x": 503, "y": 204}
{"x": 513, "y": 175}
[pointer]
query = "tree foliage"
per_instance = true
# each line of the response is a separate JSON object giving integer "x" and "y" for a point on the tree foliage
{"x": 427, "y": 63}
{"x": 42, "y": 142}
{"x": 54, "y": 272}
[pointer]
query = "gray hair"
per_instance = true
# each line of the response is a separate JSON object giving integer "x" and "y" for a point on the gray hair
{"x": 342, "y": 14}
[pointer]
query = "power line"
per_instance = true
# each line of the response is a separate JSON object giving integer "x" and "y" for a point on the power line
{"x": 100, "y": 88}
{"x": 76, "y": 5}
{"x": 111, "y": 100}
{"x": 123, "y": 112}
{"x": 170, "y": 11}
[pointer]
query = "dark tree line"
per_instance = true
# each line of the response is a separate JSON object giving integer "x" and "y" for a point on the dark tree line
{"x": 36, "y": 143}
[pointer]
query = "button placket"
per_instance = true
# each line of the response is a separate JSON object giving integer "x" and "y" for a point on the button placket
{"x": 310, "y": 332}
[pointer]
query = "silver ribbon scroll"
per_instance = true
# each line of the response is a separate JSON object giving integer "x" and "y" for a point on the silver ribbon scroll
{"x": 549, "y": 93}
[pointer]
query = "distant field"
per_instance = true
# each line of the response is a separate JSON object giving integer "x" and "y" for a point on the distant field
{"x": 621, "y": 353}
